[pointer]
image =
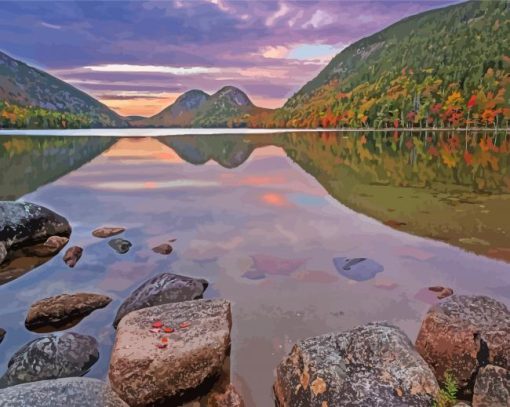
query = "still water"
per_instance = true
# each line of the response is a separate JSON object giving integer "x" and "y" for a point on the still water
{"x": 262, "y": 217}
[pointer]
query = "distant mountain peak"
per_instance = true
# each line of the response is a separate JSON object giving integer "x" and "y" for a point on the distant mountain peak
{"x": 191, "y": 99}
{"x": 233, "y": 95}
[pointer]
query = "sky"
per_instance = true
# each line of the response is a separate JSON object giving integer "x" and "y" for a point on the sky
{"x": 137, "y": 57}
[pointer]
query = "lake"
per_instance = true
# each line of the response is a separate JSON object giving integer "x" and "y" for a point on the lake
{"x": 261, "y": 217}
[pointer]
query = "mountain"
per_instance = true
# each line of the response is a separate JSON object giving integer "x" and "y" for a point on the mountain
{"x": 30, "y": 97}
{"x": 443, "y": 67}
{"x": 178, "y": 114}
{"x": 229, "y": 107}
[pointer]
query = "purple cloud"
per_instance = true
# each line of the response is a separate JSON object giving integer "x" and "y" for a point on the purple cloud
{"x": 268, "y": 48}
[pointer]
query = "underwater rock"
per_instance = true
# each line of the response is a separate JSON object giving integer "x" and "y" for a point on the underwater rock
{"x": 121, "y": 246}
{"x": 72, "y": 255}
{"x": 441, "y": 292}
{"x": 358, "y": 269}
{"x": 163, "y": 248}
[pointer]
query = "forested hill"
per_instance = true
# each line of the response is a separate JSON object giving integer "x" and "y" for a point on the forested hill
{"x": 30, "y": 98}
{"x": 444, "y": 67}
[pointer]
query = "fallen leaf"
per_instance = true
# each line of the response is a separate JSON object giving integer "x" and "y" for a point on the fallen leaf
{"x": 164, "y": 340}
{"x": 185, "y": 325}
{"x": 318, "y": 386}
{"x": 157, "y": 324}
{"x": 155, "y": 330}
{"x": 168, "y": 330}
{"x": 161, "y": 345}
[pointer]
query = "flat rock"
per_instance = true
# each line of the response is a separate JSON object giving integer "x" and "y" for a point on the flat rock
{"x": 61, "y": 309}
{"x": 163, "y": 248}
{"x": 121, "y": 246}
{"x": 51, "y": 357}
{"x": 26, "y": 224}
{"x": 462, "y": 334}
{"x": 144, "y": 370}
{"x": 492, "y": 387}
{"x": 107, "y": 232}
{"x": 50, "y": 247}
{"x": 372, "y": 365}
{"x": 72, "y": 255}
{"x": 68, "y": 392}
{"x": 357, "y": 269}
{"x": 162, "y": 289}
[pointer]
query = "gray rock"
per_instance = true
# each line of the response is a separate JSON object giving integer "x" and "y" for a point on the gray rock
{"x": 121, "y": 246}
{"x": 372, "y": 365}
{"x": 61, "y": 309}
{"x": 462, "y": 334}
{"x": 492, "y": 387}
{"x": 51, "y": 357}
{"x": 68, "y": 392}
{"x": 144, "y": 369}
{"x": 25, "y": 224}
{"x": 163, "y": 289}
{"x": 358, "y": 269}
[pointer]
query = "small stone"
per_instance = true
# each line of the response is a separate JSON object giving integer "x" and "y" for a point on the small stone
{"x": 107, "y": 232}
{"x": 357, "y": 269}
{"x": 441, "y": 292}
{"x": 49, "y": 248}
{"x": 61, "y": 309}
{"x": 227, "y": 398}
{"x": 72, "y": 255}
{"x": 163, "y": 248}
{"x": 2, "y": 334}
{"x": 492, "y": 387}
{"x": 121, "y": 246}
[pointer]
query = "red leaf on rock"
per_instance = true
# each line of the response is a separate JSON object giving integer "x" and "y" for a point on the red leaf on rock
{"x": 157, "y": 324}
{"x": 185, "y": 324}
{"x": 161, "y": 345}
{"x": 168, "y": 330}
{"x": 164, "y": 340}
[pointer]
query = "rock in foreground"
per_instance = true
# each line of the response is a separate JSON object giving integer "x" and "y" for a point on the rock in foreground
{"x": 492, "y": 387}
{"x": 464, "y": 333}
{"x": 51, "y": 357}
{"x": 50, "y": 247}
{"x": 26, "y": 224}
{"x": 68, "y": 392}
{"x": 144, "y": 368}
{"x": 372, "y": 365}
{"x": 165, "y": 288}
{"x": 64, "y": 308}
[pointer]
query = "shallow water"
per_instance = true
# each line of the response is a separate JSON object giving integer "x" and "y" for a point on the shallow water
{"x": 249, "y": 219}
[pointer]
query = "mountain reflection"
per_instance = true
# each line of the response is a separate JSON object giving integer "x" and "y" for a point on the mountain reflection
{"x": 27, "y": 163}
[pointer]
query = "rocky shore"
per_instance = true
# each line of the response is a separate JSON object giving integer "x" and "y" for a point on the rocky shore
{"x": 172, "y": 347}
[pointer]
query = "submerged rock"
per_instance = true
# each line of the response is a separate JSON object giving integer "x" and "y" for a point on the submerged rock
{"x": 51, "y": 357}
{"x": 144, "y": 369}
{"x": 358, "y": 269}
{"x": 162, "y": 289}
{"x": 228, "y": 398}
{"x": 464, "y": 333}
{"x": 107, "y": 232}
{"x": 441, "y": 292}
{"x": 492, "y": 387}
{"x": 372, "y": 365}
{"x": 163, "y": 248}
{"x": 61, "y": 309}
{"x": 121, "y": 246}
{"x": 68, "y": 392}
{"x": 72, "y": 255}
{"x": 25, "y": 224}
{"x": 50, "y": 247}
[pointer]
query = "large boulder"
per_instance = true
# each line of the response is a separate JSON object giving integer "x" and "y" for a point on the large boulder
{"x": 68, "y": 392}
{"x": 148, "y": 364}
{"x": 462, "y": 334}
{"x": 26, "y": 224}
{"x": 492, "y": 387}
{"x": 51, "y": 357}
{"x": 62, "y": 309}
{"x": 372, "y": 365}
{"x": 165, "y": 288}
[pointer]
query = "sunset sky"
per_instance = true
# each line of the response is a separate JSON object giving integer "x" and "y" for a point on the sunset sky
{"x": 137, "y": 57}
